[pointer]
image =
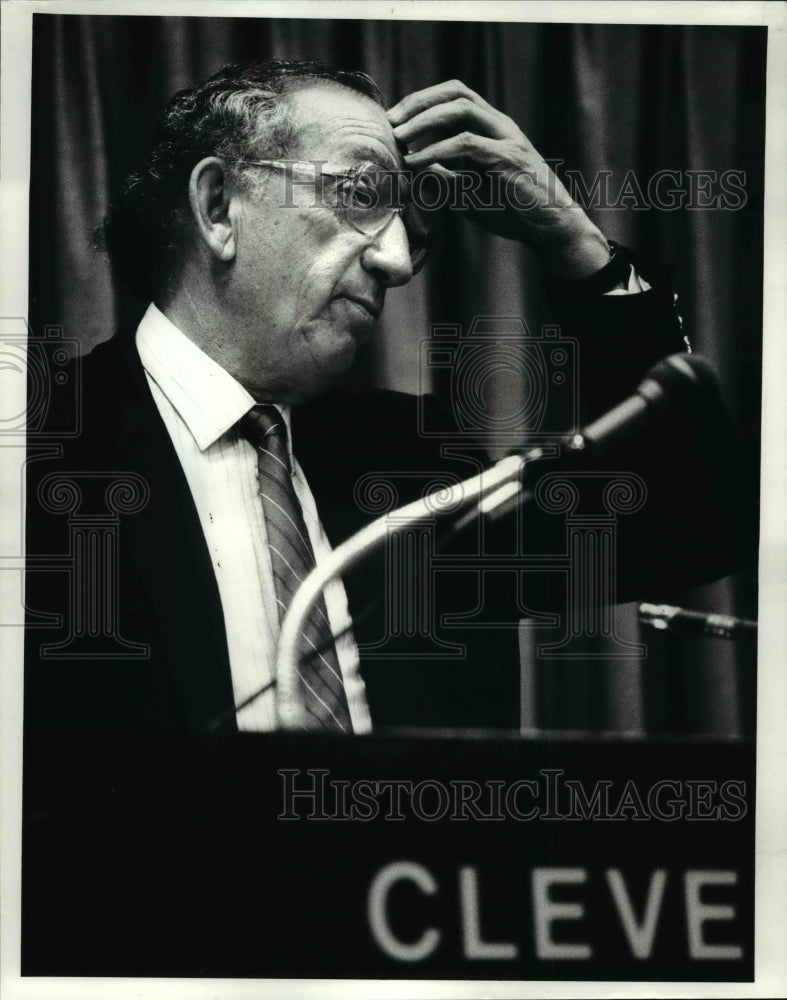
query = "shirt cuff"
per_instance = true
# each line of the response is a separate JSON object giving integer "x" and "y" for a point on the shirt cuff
{"x": 635, "y": 284}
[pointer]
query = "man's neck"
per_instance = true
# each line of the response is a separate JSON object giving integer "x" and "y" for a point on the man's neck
{"x": 218, "y": 334}
{"x": 196, "y": 319}
{"x": 207, "y": 325}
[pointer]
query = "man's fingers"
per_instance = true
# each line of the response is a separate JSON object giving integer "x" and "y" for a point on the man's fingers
{"x": 459, "y": 114}
{"x": 438, "y": 168}
{"x": 441, "y": 93}
{"x": 457, "y": 150}
{"x": 431, "y": 193}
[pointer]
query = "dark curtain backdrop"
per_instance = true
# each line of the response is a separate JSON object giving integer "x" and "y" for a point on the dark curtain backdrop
{"x": 596, "y": 97}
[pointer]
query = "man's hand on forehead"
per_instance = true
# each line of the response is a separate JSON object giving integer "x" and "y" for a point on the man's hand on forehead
{"x": 439, "y": 106}
{"x": 484, "y": 156}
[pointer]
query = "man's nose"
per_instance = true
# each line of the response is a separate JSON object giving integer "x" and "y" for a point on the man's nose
{"x": 387, "y": 254}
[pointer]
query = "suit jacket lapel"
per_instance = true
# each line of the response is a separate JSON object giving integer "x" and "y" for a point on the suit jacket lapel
{"x": 165, "y": 544}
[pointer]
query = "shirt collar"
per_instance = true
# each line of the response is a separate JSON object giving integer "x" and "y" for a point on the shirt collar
{"x": 205, "y": 396}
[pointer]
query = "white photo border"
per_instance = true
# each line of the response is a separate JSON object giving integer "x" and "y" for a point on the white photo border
{"x": 771, "y": 841}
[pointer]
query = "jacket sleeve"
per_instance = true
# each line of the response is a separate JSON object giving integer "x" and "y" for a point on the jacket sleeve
{"x": 680, "y": 496}
{"x": 620, "y": 337}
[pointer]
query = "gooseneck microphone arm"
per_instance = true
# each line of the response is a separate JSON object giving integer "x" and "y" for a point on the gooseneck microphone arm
{"x": 443, "y": 501}
{"x": 678, "y": 380}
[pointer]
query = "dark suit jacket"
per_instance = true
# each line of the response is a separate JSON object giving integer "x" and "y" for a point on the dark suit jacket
{"x": 159, "y": 659}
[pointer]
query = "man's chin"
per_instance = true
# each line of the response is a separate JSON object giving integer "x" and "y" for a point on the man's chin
{"x": 335, "y": 355}
{"x": 338, "y": 364}
{"x": 326, "y": 368}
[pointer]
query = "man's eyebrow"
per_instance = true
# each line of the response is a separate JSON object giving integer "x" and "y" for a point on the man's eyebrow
{"x": 371, "y": 154}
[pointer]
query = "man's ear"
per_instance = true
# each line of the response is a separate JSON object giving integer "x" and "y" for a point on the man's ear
{"x": 210, "y": 206}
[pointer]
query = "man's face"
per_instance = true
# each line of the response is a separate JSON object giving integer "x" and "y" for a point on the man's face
{"x": 305, "y": 286}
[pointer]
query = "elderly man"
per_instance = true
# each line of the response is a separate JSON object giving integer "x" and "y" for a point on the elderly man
{"x": 263, "y": 234}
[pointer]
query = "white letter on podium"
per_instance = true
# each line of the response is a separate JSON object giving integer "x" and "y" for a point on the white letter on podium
{"x": 697, "y": 913}
{"x": 378, "y": 921}
{"x": 545, "y": 912}
{"x": 471, "y": 923}
{"x": 640, "y": 935}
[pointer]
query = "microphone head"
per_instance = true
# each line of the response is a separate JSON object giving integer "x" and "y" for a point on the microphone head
{"x": 680, "y": 393}
{"x": 683, "y": 375}
{"x": 684, "y": 391}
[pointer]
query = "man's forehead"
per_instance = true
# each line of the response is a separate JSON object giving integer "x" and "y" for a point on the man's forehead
{"x": 343, "y": 125}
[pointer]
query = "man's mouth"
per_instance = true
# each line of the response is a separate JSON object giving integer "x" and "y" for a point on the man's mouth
{"x": 371, "y": 307}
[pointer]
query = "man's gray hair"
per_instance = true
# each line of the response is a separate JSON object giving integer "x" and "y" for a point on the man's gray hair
{"x": 240, "y": 112}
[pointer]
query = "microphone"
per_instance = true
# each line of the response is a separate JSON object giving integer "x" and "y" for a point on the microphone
{"x": 666, "y": 617}
{"x": 671, "y": 384}
{"x": 680, "y": 383}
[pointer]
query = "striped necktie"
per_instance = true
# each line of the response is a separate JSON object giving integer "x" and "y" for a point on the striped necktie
{"x": 292, "y": 559}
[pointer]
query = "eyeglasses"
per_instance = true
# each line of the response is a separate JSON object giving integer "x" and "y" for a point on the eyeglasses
{"x": 368, "y": 197}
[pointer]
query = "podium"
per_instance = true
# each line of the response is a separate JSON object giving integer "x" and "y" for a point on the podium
{"x": 408, "y": 855}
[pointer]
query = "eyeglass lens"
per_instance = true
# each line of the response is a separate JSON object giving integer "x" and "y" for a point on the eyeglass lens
{"x": 372, "y": 196}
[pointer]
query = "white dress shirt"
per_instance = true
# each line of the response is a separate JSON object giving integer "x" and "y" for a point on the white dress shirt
{"x": 201, "y": 404}
{"x": 634, "y": 284}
